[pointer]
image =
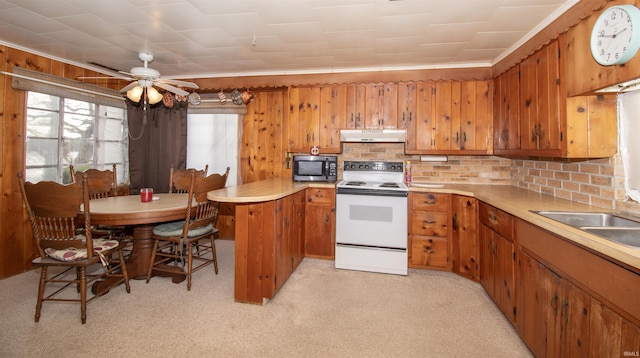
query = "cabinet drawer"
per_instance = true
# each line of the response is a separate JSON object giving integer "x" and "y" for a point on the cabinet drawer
{"x": 498, "y": 220}
{"x": 320, "y": 195}
{"x": 431, "y": 202}
{"x": 429, "y": 251}
{"x": 430, "y": 224}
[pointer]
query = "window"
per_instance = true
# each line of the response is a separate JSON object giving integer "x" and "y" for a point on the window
{"x": 629, "y": 116}
{"x": 212, "y": 139}
{"x": 63, "y": 131}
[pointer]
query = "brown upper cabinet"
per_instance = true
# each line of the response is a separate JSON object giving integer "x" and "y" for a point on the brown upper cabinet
{"x": 541, "y": 108}
{"x": 506, "y": 98}
{"x": 535, "y": 117}
{"x": 450, "y": 118}
{"x": 584, "y": 75}
{"x": 373, "y": 106}
{"x": 315, "y": 117}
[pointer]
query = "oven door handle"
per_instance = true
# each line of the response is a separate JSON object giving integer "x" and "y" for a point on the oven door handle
{"x": 373, "y": 192}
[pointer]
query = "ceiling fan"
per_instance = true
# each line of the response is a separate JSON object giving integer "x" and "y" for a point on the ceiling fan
{"x": 147, "y": 77}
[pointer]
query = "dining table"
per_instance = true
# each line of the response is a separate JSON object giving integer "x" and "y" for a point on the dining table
{"x": 130, "y": 211}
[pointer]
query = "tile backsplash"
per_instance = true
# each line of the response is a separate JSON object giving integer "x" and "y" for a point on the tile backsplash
{"x": 598, "y": 182}
{"x": 456, "y": 170}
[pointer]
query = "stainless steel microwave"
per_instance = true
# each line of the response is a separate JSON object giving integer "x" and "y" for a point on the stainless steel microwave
{"x": 315, "y": 168}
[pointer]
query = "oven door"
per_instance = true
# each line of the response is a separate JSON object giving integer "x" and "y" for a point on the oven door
{"x": 366, "y": 219}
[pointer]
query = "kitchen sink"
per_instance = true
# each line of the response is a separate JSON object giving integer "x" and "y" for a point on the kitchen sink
{"x": 608, "y": 226}
{"x": 595, "y": 219}
{"x": 622, "y": 235}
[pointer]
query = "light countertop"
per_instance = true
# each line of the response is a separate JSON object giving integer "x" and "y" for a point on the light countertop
{"x": 515, "y": 201}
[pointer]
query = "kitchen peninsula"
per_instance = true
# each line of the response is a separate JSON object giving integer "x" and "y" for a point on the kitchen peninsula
{"x": 269, "y": 236}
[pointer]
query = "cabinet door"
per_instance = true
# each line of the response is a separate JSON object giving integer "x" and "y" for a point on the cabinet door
{"x": 505, "y": 276}
{"x": 356, "y": 97}
{"x": 320, "y": 223}
{"x": 465, "y": 236}
{"x": 304, "y": 116}
{"x": 475, "y": 127}
{"x": 446, "y": 102}
{"x": 540, "y": 101}
{"x": 610, "y": 334}
{"x": 425, "y": 123}
{"x": 487, "y": 260}
{"x": 506, "y": 134}
{"x": 407, "y": 107}
{"x": 575, "y": 315}
{"x": 333, "y": 117}
{"x": 381, "y": 106}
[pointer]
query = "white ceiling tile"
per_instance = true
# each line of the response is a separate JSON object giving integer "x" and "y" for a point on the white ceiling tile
{"x": 273, "y": 36}
{"x": 34, "y": 22}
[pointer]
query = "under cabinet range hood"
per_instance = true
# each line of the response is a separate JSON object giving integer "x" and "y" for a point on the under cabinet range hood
{"x": 373, "y": 135}
{"x": 627, "y": 86}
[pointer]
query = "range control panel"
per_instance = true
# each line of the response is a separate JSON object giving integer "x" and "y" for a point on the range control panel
{"x": 395, "y": 167}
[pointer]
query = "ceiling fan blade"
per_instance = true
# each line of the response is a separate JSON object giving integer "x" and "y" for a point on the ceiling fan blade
{"x": 129, "y": 87}
{"x": 177, "y": 83}
{"x": 171, "y": 88}
{"x": 104, "y": 78}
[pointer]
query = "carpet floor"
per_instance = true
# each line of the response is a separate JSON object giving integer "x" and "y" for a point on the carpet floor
{"x": 319, "y": 312}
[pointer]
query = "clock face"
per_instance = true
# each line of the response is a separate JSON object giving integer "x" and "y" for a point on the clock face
{"x": 615, "y": 37}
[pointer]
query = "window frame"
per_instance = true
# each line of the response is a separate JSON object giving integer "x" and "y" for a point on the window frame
{"x": 62, "y": 167}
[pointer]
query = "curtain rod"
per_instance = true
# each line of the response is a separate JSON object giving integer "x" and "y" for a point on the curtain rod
{"x": 61, "y": 85}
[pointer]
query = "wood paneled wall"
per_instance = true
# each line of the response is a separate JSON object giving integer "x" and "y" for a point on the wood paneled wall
{"x": 263, "y": 147}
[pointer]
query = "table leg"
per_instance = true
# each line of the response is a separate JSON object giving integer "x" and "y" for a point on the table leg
{"x": 138, "y": 262}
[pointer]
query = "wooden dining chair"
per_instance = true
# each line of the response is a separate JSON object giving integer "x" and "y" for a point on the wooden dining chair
{"x": 180, "y": 179}
{"x": 53, "y": 210}
{"x": 181, "y": 242}
{"x": 102, "y": 183}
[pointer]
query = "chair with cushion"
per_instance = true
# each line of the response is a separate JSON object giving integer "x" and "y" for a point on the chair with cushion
{"x": 103, "y": 184}
{"x": 180, "y": 179}
{"x": 76, "y": 260}
{"x": 193, "y": 239}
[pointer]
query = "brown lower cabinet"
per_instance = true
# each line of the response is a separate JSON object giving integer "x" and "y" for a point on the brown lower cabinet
{"x": 429, "y": 232}
{"x": 572, "y": 302}
{"x": 320, "y": 223}
{"x": 464, "y": 227}
{"x": 497, "y": 257}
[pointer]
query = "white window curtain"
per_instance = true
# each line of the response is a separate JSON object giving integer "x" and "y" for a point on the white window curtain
{"x": 213, "y": 139}
{"x": 629, "y": 123}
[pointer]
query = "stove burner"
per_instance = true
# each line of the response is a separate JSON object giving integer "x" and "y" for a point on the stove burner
{"x": 389, "y": 185}
{"x": 355, "y": 183}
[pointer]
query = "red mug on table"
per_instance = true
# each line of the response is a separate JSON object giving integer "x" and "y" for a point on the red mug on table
{"x": 146, "y": 194}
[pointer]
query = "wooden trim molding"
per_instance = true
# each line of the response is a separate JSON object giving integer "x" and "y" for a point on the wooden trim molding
{"x": 579, "y": 12}
{"x": 283, "y": 81}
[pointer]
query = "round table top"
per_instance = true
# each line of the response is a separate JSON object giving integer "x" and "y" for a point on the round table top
{"x": 129, "y": 210}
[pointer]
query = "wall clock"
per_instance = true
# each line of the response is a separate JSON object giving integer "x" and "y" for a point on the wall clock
{"x": 615, "y": 37}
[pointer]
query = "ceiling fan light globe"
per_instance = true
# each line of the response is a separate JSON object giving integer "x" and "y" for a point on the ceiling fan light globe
{"x": 135, "y": 94}
{"x": 153, "y": 95}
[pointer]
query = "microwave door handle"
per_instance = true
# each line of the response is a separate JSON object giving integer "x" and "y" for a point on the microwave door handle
{"x": 326, "y": 169}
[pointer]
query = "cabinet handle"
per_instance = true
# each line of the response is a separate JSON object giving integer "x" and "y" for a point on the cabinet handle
{"x": 457, "y": 137}
{"x": 428, "y": 222}
{"x": 454, "y": 221}
{"x": 464, "y": 137}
